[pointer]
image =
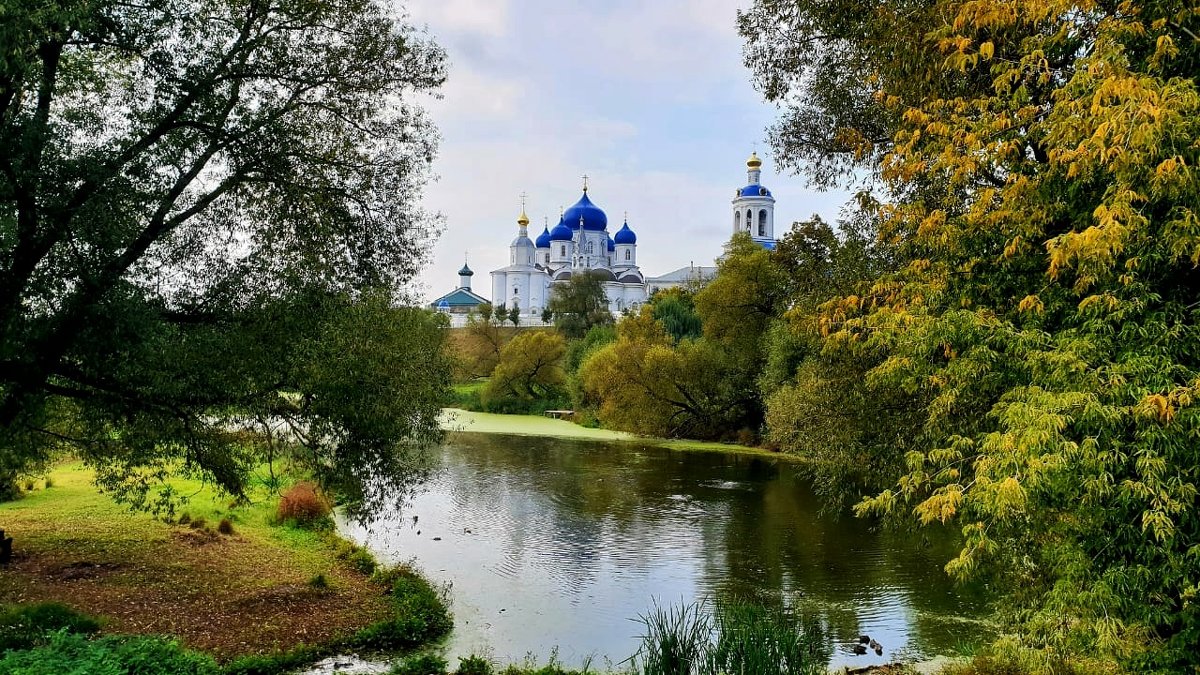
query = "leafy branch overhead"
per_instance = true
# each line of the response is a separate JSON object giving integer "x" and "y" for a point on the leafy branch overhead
{"x": 197, "y": 198}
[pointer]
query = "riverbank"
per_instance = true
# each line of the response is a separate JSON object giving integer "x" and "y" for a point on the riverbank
{"x": 228, "y": 581}
{"x": 457, "y": 419}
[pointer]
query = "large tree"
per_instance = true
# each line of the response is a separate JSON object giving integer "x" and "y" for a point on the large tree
{"x": 578, "y": 304}
{"x": 1038, "y": 163}
{"x": 203, "y": 205}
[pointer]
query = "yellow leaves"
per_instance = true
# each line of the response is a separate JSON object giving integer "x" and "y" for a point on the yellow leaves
{"x": 1031, "y": 303}
{"x": 1013, "y": 246}
{"x": 986, "y": 50}
{"x": 941, "y": 506}
{"x": 931, "y": 223}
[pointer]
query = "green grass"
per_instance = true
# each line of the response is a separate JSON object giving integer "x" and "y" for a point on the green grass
{"x": 244, "y": 596}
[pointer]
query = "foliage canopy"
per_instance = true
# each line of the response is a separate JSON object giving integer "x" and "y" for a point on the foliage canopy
{"x": 205, "y": 206}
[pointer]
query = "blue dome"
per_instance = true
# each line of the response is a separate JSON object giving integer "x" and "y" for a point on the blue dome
{"x": 561, "y": 232}
{"x": 612, "y": 245}
{"x": 754, "y": 190}
{"x": 543, "y": 240}
{"x": 593, "y": 218}
{"x": 625, "y": 235}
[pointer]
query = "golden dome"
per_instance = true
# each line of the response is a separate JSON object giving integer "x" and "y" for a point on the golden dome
{"x": 754, "y": 162}
{"x": 523, "y": 220}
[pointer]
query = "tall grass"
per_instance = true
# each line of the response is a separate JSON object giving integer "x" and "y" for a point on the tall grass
{"x": 730, "y": 638}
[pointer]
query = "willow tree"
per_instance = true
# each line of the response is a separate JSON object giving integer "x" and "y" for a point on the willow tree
{"x": 1039, "y": 161}
{"x": 206, "y": 208}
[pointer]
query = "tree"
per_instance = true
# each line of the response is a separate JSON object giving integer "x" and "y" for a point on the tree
{"x": 647, "y": 383}
{"x": 514, "y": 315}
{"x": 579, "y": 303}
{"x": 530, "y": 368}
{"x": 197, "y": 199}
{"x": 478, "y": 345}
{"x": 675, "y": 309}
{"x": 1039, "y": 172}
{"x": 749, "y": 291}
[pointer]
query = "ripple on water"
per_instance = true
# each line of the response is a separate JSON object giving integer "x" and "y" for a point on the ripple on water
{"x": 569, "y": 541}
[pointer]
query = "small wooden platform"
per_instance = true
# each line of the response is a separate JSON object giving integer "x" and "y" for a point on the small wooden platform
{"x": 559, "y": 414}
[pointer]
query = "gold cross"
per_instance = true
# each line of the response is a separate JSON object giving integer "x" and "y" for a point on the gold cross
{"x": 523, "y": 196}
{"x": 585, "y": 178}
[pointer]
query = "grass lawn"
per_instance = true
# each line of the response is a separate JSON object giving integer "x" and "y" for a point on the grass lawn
{"x": 230, "y": 595}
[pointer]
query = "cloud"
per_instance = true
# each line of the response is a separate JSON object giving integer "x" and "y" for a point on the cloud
{"x": 490, "y": 18}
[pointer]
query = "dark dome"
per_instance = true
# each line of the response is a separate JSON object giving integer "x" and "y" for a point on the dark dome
{"x": 593, "y": 218}
{"x": 561, "y": 232}
{"x": 755, "y": 190}
{"x": 625, "y": 235}
{"x": 543, "y": 240}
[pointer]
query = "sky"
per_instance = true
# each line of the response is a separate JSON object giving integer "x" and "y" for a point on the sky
{"x": 649, "y": 99}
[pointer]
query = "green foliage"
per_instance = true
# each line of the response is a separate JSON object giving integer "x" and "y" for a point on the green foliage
{"x": 24, "y": 626}
{"x": 675, "y": 309}
{"x": 277, "y": 664}
{"x": 646, "y": 383}
{"x": 1033, "y": 354}
{"x": 578, "y": 304}
{"x": 474, "y": 665}
{"x": 530, "y": 369}
{"x": 420, "y": 614}
{"x": 225, "y": 255}
{"x": 735, "y": 638}
{"x": 72, "y": 654}
{"x": 579, "y": 350}
{"x": 420, "y": 664}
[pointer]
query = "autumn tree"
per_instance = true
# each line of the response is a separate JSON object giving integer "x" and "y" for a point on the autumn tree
{"x": 530, "y": 368}
{"x": 1038, "y": 171}
{"x": 205, "y": 206}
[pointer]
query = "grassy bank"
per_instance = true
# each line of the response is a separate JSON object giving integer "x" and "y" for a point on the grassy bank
{"x": 454, "y": 419}
{"x": 228, "y": 582}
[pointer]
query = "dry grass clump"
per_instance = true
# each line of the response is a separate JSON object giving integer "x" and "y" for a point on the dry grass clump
{"x": 303, "y": 504}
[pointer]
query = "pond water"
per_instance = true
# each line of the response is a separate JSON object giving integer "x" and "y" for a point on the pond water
{"x": 558, "y": 545}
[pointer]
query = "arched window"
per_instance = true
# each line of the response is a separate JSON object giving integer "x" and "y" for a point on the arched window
{"x": 737, "y": 220}
{"x": 562, "y": 250}
{"x": 749, "y": 219}
{"x": 590, "y": 248}
{"x": 628, "y": 254}
{"x": 762, "y": 223}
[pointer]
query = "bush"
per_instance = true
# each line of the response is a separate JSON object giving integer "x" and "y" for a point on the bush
{"x": 49, "y": 483}
{"x": 474, "y": 665}
{"x": 421, "y": 664}
{"x": 319, "y": 582}
{"x": 73, "y": 653}
{"x": 420, "y": 616}
{"x": 277, "y": 663}
{"x": 225, "y": 527}
{"x": 198, "y": 524}
{"x": 25, "y": 626}
{"x": 362, "y": 560}
{"x": 303, "y": 505}
{"x": 184, "y": 519}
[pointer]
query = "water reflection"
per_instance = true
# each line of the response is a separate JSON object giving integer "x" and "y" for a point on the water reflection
{"x": 558, "y": 543}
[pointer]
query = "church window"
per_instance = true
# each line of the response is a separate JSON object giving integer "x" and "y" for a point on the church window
{"x": 628, "y": 254}
{"x": 562, "y": 250}
{"x": 762, "y": 223}
{"x": 737, "y": 220}
{"x": 749, "y": 219}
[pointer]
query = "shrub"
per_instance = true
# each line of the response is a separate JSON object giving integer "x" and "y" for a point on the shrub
{"x": 25, "y": 626}
{"x": 303, "y": 505}
{"x": 198, "y": 524}
{"x": 362, "y": 560}
{"x": 421, "y": 664}
{"x": 49, "y": 483}
{"x": 225, "y": 527}
{"x": 29, "y": 486}
{"x": 73, "y": 653}
{"x": 279, "y": 662}
{"x": 419, "y": 614}
{"x": 319, "y": 582}
{"x": 185, "y": 518}
{"x": 474, "y": 665}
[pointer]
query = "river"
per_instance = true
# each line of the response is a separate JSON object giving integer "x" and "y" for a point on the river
{"x": 557, "y": 545}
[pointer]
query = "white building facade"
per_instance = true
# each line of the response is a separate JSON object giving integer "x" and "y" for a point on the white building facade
{"x": 582, "y": 242}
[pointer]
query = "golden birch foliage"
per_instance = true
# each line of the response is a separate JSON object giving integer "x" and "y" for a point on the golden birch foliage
{"x": 1046, "y": 195}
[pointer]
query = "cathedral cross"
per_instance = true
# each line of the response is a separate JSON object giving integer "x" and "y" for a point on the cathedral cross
{"x": 585, "y": 185}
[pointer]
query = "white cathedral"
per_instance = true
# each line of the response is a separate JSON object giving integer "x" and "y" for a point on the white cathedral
{"x": 581, "y": 241}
